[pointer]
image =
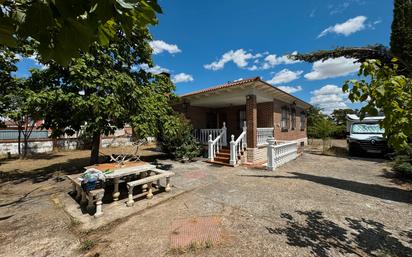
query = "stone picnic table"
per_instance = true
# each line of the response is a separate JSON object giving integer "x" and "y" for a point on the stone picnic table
{"x": 117, "y": 172}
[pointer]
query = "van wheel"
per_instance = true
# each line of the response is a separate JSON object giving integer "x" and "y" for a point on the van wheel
{"x": 351, "y": 151}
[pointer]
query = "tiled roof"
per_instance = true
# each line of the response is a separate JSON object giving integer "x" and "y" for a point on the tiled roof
{"x": 241, "y": 82}
{"x": 229, "y": 84}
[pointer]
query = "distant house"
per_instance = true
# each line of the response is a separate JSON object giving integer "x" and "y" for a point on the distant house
{"x": 251, "y": 110}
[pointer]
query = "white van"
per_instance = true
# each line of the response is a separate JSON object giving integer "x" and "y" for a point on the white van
{"x": 365, "y": 136}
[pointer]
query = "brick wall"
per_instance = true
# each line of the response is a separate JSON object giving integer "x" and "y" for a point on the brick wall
{"x": 197, "y": 115}
{"x": 265, "y": 115}
{"x": 251, "y": 121}
{"x": 290, "y": 134}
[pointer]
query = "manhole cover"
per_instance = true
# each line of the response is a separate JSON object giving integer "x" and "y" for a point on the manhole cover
{"x": 198, "y": 232}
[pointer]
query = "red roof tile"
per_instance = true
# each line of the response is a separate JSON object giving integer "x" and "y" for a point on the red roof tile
{"x": 229, "y": 84}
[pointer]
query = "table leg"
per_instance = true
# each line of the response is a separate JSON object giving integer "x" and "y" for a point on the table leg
{"x": 116, "y": 192}
{"x": 99, "y": 211}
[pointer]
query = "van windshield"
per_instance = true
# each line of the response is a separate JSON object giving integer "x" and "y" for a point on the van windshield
{"x": 367, "y": 128}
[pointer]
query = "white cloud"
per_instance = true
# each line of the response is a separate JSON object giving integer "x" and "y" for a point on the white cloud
{"x": 290, "y": 89}
{"x": 240, "y": 57}
{"x": 160, "y": 46}
{"x": 348, "y": 27}
{"x": 272, "y": 60}
{"x": 331, "y": 68}
{"x": 252, "y": 68}
{"x": 329, "y": 98}
{"x": 155, "y": 70}
{"x": 285, "y": 76}
{"x": 182, "y": 77}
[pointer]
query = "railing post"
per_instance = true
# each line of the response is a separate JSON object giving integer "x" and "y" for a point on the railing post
{"x": 211, "y": 155}
{"x": 244, "y": 130}
{"x": 232, "y": 151}
{"x": 271, "y": 145}
{"x": 224, "y": 134}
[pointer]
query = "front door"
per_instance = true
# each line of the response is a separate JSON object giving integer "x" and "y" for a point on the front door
{"x": 222, "y": 118}
{"x": 211, "y": 120}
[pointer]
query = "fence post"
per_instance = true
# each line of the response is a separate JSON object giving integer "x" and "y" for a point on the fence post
{"x": 211, "y": 155}
{"x": 271, "y": 145}
{"x": 232, "y": 151}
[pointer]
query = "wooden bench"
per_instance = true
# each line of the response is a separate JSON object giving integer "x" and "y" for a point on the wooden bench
{"x": 90, "y": 197}
{"x": 147, "y": 183}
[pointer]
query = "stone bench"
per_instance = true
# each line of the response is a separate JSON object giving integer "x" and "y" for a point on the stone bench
{"x": 93, "y": 196}
{"x": 147, "y": 183}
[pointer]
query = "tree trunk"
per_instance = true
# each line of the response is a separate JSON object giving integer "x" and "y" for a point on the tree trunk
{"x": 19, "y": 141}
{"x": 26, "y": 146}
{"x": 94, "y": 156}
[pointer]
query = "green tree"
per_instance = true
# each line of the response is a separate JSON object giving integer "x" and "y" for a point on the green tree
{"x": 104, "y": 89}
{"x": 314, "y": 116}
{"x": 385, "y": 75}
{"x": 53, "y": 24}
{"x": 339, "y": 115}
{"x": 8, "y": 82}
{"x": 401, "y": 36}
{"x": 176, "y": 138}
{"x": 386, "y": 91}
{"x": 323, "y": 129}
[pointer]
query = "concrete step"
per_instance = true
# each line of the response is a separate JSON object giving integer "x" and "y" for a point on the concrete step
{"x": 222, "y": 159}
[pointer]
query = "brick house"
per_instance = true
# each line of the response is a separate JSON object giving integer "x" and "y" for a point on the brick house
{"x": 246, "y": 113}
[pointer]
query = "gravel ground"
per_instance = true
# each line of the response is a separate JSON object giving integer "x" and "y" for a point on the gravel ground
{"x": 314, "y": 206}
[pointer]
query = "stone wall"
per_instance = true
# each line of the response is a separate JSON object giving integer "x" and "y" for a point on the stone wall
{"x": 12, "y": 147}
{"x": 115, "y": 141}
{"x": 48, "y": 145}
{"x": 257, "y": 155}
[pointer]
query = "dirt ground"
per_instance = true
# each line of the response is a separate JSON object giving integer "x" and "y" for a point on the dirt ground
{"x": 314, "y": 206}
{"x": 41, "y": 167}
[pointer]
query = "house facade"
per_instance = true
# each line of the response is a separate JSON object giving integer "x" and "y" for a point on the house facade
{"x": 246, "y": 112}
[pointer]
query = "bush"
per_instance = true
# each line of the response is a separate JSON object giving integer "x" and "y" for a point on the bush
{"x": 176, "y": 138}
{"x": 403, "y": 163}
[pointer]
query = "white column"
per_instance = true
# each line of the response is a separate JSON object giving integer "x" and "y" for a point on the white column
{"x": 130, "y": 201}
{"x": 271, "y": 145}
{"x": 245, "y": 140}
{"x": 211, "y": 155}
{"x": 224, "y": 134}
{"x": 99, "y": 202}
{"x": 233, "y": 154}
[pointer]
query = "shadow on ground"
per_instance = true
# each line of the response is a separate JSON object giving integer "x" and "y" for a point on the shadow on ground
{"x": 71, "y": 166}
{"x": 325, "y": 238}
{"x": 39, "y": 156}
{"x": 382, "y": 192}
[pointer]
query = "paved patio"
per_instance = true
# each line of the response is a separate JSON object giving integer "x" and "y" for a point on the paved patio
{"x": 315, "y": 206}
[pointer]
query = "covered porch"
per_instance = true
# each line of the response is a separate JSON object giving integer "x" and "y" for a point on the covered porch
{"x": 235, "y": 121}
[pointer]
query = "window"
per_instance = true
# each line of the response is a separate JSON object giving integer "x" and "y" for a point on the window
{"x": 302, "y": 121}
{"x": 293, "y": 119}
{"x": 242, "y": 119}
{"x": 285, "y": 119}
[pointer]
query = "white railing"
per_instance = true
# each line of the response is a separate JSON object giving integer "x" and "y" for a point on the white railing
{"x": 237, "y": 147}
{"x": 214, "y": 145}
{"x": 263, "y": 135}
{"x": 202, "y": 135}
{"x": 280, "y": 152}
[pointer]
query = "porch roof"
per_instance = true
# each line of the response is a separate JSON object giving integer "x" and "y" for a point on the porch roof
{"x": 234, "y": 93}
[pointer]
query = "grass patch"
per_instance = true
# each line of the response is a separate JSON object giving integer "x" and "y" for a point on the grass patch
{"x": 87, "y": 245}
{"x": 193, "y": 247}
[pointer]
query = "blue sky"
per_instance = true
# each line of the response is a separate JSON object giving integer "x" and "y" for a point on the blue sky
{"x": 206, "y": 43}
